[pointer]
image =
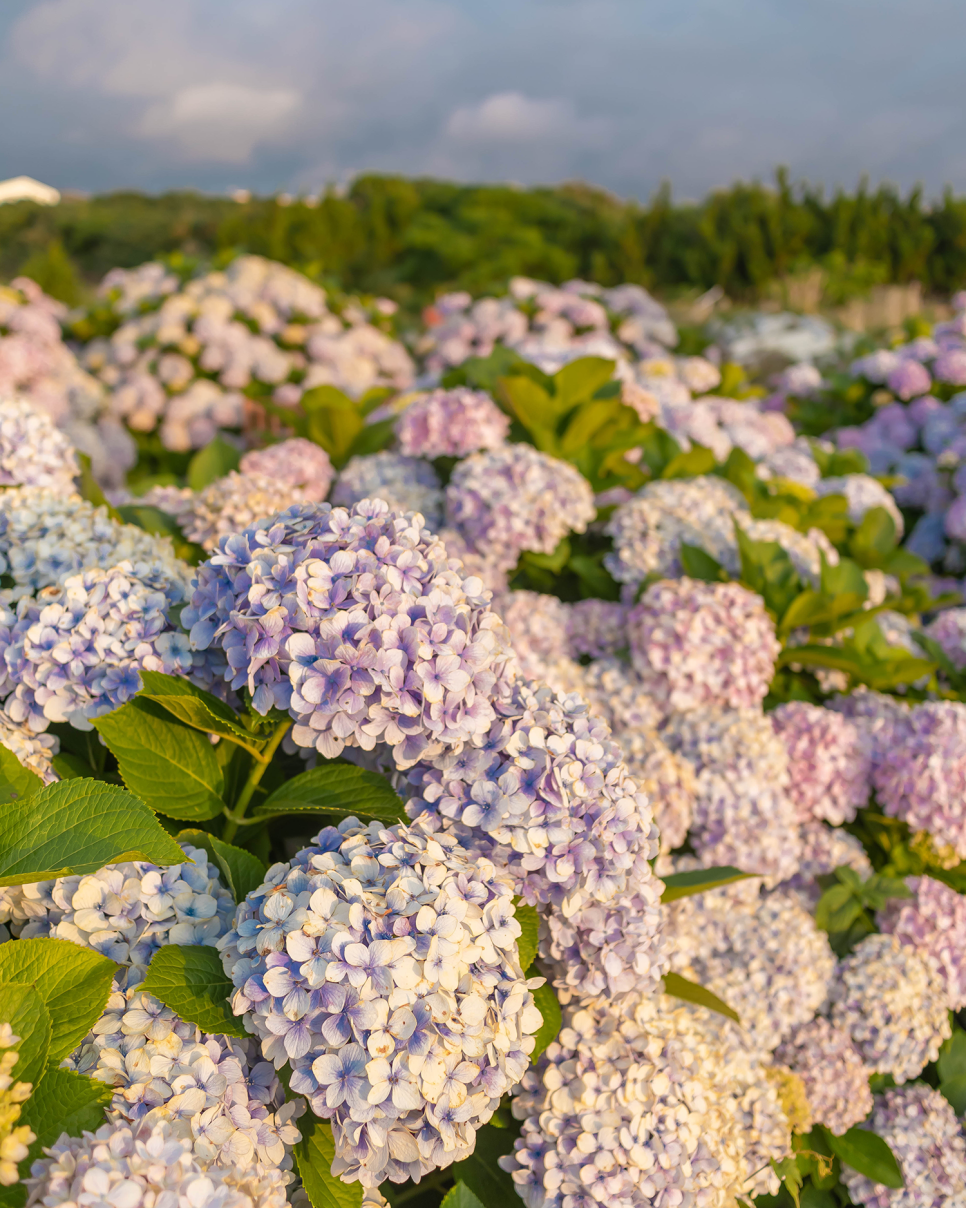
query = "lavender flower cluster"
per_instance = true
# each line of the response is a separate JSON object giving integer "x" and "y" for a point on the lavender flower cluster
{"x": 182, "y": 358}
{"x": 451, "y": 423}
{"x": 406, "y": 484}
{"x": 33, "y": 453}
{"x": 382, "y": 964}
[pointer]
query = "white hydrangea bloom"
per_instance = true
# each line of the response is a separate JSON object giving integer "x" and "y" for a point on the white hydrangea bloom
{"x": 232, "y": 503}
{"x": 34, "y": 751}
{"x": 32, "y": 451}
{"x": 862, "y": 493}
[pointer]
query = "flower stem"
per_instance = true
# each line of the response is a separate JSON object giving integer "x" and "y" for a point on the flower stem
{"x": 236, "y": 817}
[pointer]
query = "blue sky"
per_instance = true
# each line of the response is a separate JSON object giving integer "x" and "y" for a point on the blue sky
{"x": 293, "y": 94}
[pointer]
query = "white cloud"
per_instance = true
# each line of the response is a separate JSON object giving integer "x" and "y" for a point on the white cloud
{"x": 511, "y": 117}
{"x": 219, "y": 121}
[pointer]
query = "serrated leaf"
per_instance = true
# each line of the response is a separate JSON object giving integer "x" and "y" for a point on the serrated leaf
{"x": 866, "y": 1152}
{"x": 76, "y": 827}
{"x": 492, "y": 1186}
{"x": 548, "y": 1005}
{"x": 698, "y": 880}
{"x": 196, "y": 708}
{"x": 313, "y": 1157}
{"x": 65, "y": 1102}
{"x": 529, "y": 921}
{"x": 214, "y": 461}
{"x": 191, "y": 981}
{"x": 242, "y": 870}
{"x": 22, "y": 1006}
{"x": 460, "y": 1196}
{"x": 335, "y": 788}
{"x": 680, "y": 987}
{"x": 16, "y": 781}
{"x": 171, "y": 766}
{"x": 73, "y": 982}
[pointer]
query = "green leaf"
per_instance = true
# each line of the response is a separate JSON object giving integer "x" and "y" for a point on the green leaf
{"x": 65, "y": 1102}
{"x": 373, "y": 438}
{"x": 492, "y": 1186}
{"x": 191, "y": 981}
{"x": 89, "y": 488}
{"x": 334, "y": 421}
{"x": 741, "y": 472}
{"x": 875, "y": 538}
{"x": 76, "y": 827}
{"x": 73, "y": 982}
{"x": 837, "y": 909}
{"x": 16, "y": 781}
{"x": 867, "y": 1153}
{"x": 196, "y": 708}
{"x": 243, "y": 871}
{"x": 767, "y": 569}
{"x": 683, "y": 884}
{"x": 585, "y": 422}
{"x": 955, "y": 1091}
{"x": 790, "y": 1173}
{"x": 698, "y": 460}
{"x": 529, "y": 921}
{"x": 698, "y": 564}
{"x": 952, "y": 1056}
{"x": 22, "y": 1006}
{"x": 534, "y": 408}
{"x": 460, "y": 1196}
{"x": 679, "y": 987}
{"x": 335, "y": 788}
{"x": 547, "y": 1004}
{"x": 214, "y": 461}
{"x": 314, "y": 1155}
{"x": 845, "y": 578}
{"x": 171, "y": 766}
{"x": 579, "y": 381}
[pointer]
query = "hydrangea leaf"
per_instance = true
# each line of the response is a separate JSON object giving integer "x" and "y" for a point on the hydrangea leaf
{"x": 241, "y": 870}
{"x": 214, "y": 461}
{"x": 77, "y": 826}
{"x": 460, "y": 1196}
{"x": 698, "y": 880}
{"x": 580, "y": 380}
{"x": 22, "y": 1006}
{"x": 680, "y": 987}
{"x": 869, "y": 1154}
{"x": 65, "y": 1102}
{"x": 313, "y": 1157}
{"x": 492, "y": 1186}
{"x": 335, "y": 788}
{"x": 696, "y": 461}
{"x": 698, "y": 564}
{"x": 191, "y": 981}
{"x": 74, "y": 983}
{"x": 196, "y": 707}
{"x": 529, "y": 921}
{"x": 16, "y": 781}
{"x": 171, "y": 766}
{"x": 545, "y": 1000}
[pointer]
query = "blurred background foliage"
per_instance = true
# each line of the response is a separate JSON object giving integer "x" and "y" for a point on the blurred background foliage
{"x": 410, "y": 239}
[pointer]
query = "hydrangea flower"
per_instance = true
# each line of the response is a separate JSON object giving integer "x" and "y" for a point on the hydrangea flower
{"x": 743, "y": 815}
{"x": 516, "y": 498}
{"x": 15, "y": 1139}
{"x": 144, "y": 1167}
{"x": 892, "y": 1003}
{"x": 920, "y": 1127}
{"x": 545, "y": 795}
{"x": 125, "y": 911}
{"x": 213, "y": 1091}
{"x": 698, "y": 644}
{"x": 919, "y": 771}
{"x": 359, "y": 623}
{"x": 451, "y": 423}
{"x": 933, "y": 923}
{"x": 76, "y": 651}
{"x": 234, "y": 503}
{"x": 828, "y": 762}
{"x": 34, "y": 751}
{"x": 649, "y": 1105}
{"x": 949, "y": 630}
{"x": 538, "y": 628}
{"x": 908, "y": 379}
{"x": 762, "y": 954}
{"x": 383, "y": 965}
{"x": 823, "y": 850}
{"x": 596, "y": 628}
{"x": 33, "y": 452}
{"x": 46, "y": 537}
{"x": 407, "y": 484}
{"x": 295, "y": 463}
{"x": 835, "y": 1076}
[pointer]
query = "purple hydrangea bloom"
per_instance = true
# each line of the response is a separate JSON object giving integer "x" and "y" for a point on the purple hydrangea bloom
{"x": 950, "y": 367}
{"x": 407, "y": 484}
{"x": 909, "y": 379}
{"x": 451, "y": 423}
{"x": 359, "y": 624}
{"x": 920, "y": 1127}
{"x": 828, "y": 762}
{"x": 297, "y": 462}
{"x": 695, "y": 644}
{"x": 934, "y": 924}
{"x": 919, "y": 771}
{"x": 516, "y": 498}
{"x": 597, "y": 628}
{"x": 835, "y": 1076}
{"x": 949, "y": 630}
{"x": 382, "y": 964}
{"x": 876, "y": 366}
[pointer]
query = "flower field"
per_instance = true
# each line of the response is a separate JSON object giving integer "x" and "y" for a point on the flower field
{"x": 502, "y": 758}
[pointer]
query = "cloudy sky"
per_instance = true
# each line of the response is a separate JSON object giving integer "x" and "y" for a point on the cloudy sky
{"x": 293, "y": 94}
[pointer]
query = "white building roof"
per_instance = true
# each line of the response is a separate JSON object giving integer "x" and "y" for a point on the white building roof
{"x": 25, "y": 188}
